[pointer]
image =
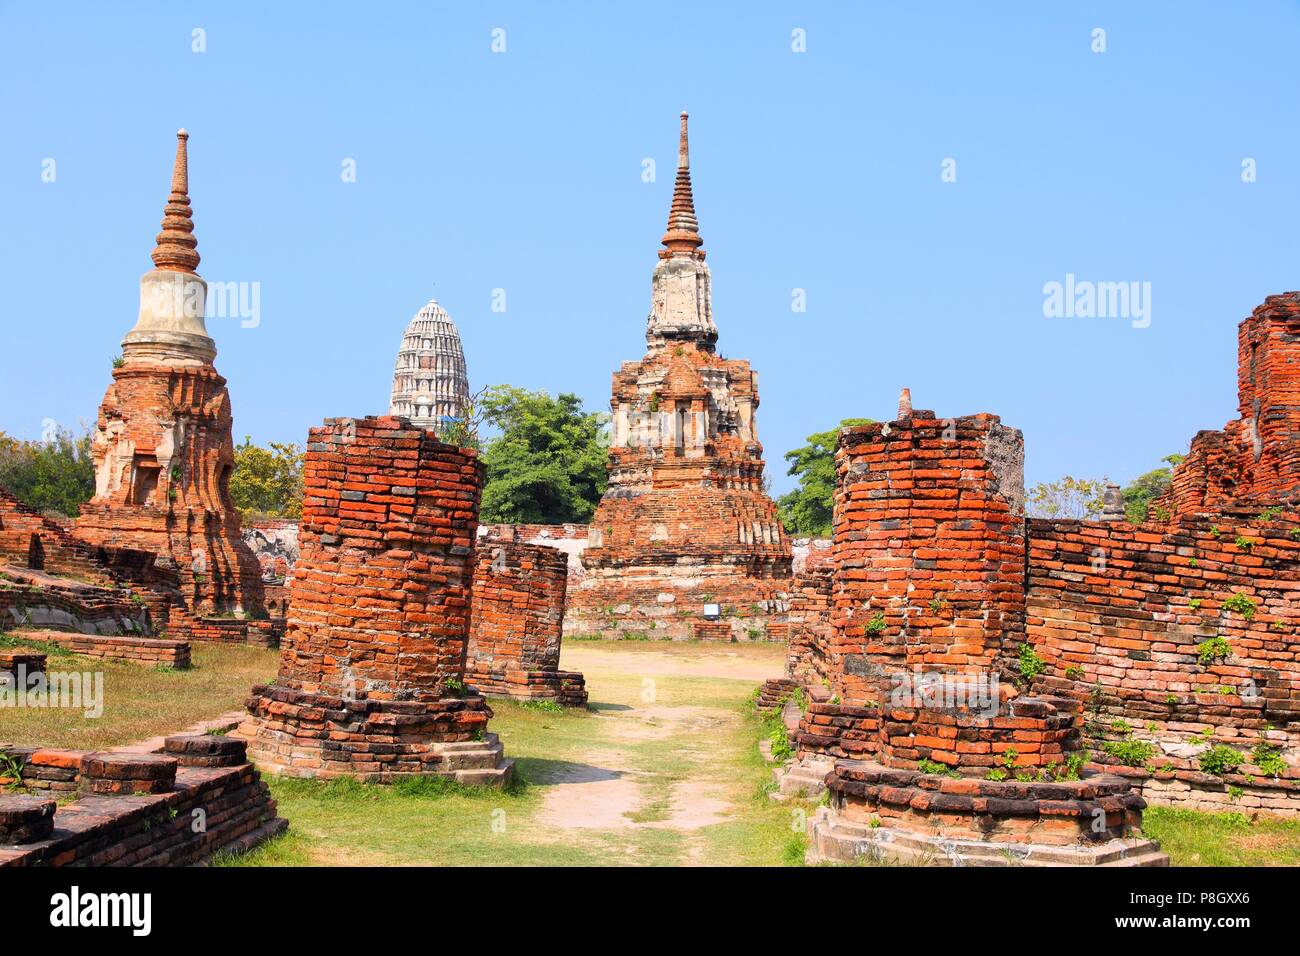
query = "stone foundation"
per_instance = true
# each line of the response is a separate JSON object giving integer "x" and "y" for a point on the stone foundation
{"x": 883, "y": 814}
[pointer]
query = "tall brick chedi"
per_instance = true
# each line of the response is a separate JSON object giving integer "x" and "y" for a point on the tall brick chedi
{"x": 372, "y": 665}
{"x": 162, "y": 445}
{"x": 684, "y": 522}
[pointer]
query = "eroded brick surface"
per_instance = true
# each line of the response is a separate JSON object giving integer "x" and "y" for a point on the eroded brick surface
{"x": 517, "y": 621}
{"x": 372, "y": 665}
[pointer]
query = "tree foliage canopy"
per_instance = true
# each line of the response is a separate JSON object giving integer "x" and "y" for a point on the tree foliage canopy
{"x": 54, "y": 475}
{"x": 1067, "y": 497}
{"x": 267, "y": 482}
{"x": 808, "y": 510}
{"x": 547, "y": 465}
{"x": 1144, "y": 489}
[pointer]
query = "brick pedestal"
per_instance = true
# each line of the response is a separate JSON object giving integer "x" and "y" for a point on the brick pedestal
{"x": 937, "y": 757}
{"x": 517, "y": 624}
{"x": 372, "y": 665}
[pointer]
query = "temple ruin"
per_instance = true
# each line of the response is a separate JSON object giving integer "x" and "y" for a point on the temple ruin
{"x": 685, "y": 543}
{"x": 927, "y": 754}
{"x": 517, "y": 623}
{"x": 1153, "y": 662}
{"x": 162, "y": 445}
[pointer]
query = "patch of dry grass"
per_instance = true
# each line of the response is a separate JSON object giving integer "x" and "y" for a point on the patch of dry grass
{"x": 141, "y": 701}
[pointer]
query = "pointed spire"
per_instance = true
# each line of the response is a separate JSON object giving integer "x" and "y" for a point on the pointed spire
{"x": 177, "y": 249}
{"x": 683, "y": 235}
{"x": 904, "y": 405}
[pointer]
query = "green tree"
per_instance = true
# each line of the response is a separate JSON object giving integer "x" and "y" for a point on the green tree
{"x": 547, "y": 465}
{"x": 1144, "y": 489}
{"x": 55, "y": 475}
{"x": 1067, "y": 498}
{"x": 808, "y": 510}
{"x": 267, "y": 482}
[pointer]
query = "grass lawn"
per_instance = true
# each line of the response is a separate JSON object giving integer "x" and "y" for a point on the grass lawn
{"x": 139, "y": 700}
{"x": 1194, "y": 838}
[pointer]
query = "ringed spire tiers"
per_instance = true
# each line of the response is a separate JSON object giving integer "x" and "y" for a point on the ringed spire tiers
{"x": 681, "y": 306}
{"x": 173, "y": 297}
{"x": 177, "y": 248}
{"x": 683, "y": 235}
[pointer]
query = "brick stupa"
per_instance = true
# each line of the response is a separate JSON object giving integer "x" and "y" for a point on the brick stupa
{"x": 162, "y": 445}
{"x": 931, "y": 753}
{"x": 372, "y": 665}
{"x": 685, "y": 543}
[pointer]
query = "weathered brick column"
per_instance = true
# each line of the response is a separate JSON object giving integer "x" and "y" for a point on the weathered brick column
{"x": 517, "y": 623}
{"x": 932, "y": 755}
{"x": 372, "y": 667}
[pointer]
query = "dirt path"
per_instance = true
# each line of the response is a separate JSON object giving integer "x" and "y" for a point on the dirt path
{"x": 656, "y": 760}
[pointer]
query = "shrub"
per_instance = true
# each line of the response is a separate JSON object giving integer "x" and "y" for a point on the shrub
{"x": 1241, "y": 604}
{"x": 1268, "y": 759}
{"x": 1131, "y": 753}
{"x": 1221, "y": 759}
{"x": 1030, "y": 664}
{"x": 1215, "y": 649}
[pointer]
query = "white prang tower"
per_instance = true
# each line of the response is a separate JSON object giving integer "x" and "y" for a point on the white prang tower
{"x": 430, "y": 384}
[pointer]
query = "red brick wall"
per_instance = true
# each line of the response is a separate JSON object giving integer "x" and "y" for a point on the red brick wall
{"x": 138, "y": 650}
{"x": 1124, "y": 609}
{"x": 518, "y": 609}
{"x": 380, "y": 599}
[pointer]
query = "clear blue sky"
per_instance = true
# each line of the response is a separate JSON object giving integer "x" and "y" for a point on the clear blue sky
{"x": 522, "y": 171}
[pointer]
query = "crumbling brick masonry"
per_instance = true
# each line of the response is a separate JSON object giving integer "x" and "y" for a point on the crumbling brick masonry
{"x": 517, "y": 623}
{"x": 936, "y": 763}
{"x": 372, "y": 667}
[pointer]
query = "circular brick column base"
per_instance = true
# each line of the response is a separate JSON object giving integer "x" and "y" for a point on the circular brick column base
{"x": 905, "y": 816}
{"x": 295, "y": 733}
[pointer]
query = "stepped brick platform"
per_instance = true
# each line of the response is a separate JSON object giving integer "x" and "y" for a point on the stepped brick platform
{"x": 135, "y": 650}
{"x": 775, "y": 691}
{"x": 35, "y": 598}
{"x": 684, "y": 522}
{"x": 929, "y": 761}
{"x": 905, "y": 816}
{"x": 517, "y": 623}
{"x": 134, "y": 809}
{"x": 372, "y": 665}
